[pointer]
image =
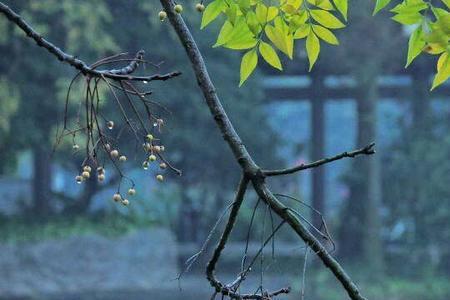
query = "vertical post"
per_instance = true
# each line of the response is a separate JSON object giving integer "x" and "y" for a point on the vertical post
{"x": 318, "y": 147}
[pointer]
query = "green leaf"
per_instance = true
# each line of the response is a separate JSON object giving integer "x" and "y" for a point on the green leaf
{"x": 408, "y": 19}
{"x": 283, "y": 41}
{"x": 312, "y": 49}
{"x": 272, "y": 12}
{"x": 224, "y": 35}
{"x": 443, "y": 73}
{"x": 270, "y": 55}
{"x": 302, "y": 31}
{"x": 248, "y": 65}
{"x": 325, "y": 34}
{"x": 212, "y": 11}
{"x": 342, "y": 6}
{"x": 241, "y": 37}
{"x": 326, "y": 19}
{"x": 380, "y": 5}
{"x": 261, "y": 13}
{"x": 415, "y": 45}
{"x": 446, "y": 2}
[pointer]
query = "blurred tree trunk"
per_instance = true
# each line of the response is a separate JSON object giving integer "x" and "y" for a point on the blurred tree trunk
{"x": 81, "y": 205}
{"x": 318, "y": 148}
{"x": 42, "y": 180}
{"x": 359, "y": 236}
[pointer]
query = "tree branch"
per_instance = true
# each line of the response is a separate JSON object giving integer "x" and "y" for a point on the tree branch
{"x": 367, "y": 150}
{"x": 121, "y": 74}
{"x": 252, "y": 171}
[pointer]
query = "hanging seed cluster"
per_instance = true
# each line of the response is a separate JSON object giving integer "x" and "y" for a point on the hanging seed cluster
{"x": 103, "y": 138}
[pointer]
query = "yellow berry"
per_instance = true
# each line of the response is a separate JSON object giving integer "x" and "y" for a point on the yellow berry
{"x": 162, "y": 15}
{"x": 101, "y": 177}
{"x": 159, "y": 177}
{"x": 79, "y": 179}
{"x": 87, "y": 169}
{"x": 117, "y": 197}
{"x": 86, "y": 175}
{"x": 114, "y": 153}
{"x": 150, "y": 137}
{"x": 178, "y": 8}
{"x": 132, "y": 192}
{"x": 122, "y": 158}
{"x": 162, "y": 165}
{"x": 125, "y": 202}
{"x": 145, "y": 165}
{"x": 152, "y": 158}
{"x": 157, "y": 148}
{"x": 199, "y": 7}
{"x": 110, "y": 125}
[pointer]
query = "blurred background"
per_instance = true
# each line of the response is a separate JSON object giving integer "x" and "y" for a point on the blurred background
{"x": 389, "y": 214}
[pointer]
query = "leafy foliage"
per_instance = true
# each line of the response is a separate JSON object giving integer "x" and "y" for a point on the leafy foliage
{"x": 431, "y": 31}
{"x": 265, "y": 28}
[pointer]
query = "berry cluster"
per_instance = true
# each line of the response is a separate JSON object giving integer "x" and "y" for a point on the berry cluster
{"x": 179, "y": 9}
{"x": 102, "y": 137}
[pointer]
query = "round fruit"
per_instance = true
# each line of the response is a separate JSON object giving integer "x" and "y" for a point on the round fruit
{"x": 122, "y": 158}
{"x": 145, "y": 165}
{"x": 101, "y": 177}
{"x": 117, "y": 197}
{"x": 152, "y": 158}
{"x": 110, "y": 125}
{"x": 159, "y": 177}
{"x": 199, "y": 7}
{"x": 114, "y": 153}
{"x": 162, "y": 15}
{"x": 87, "y": 169}
{"x": 150, "y": 137}
{"x": 162, "y": 165}
{"x": 178, "y": 8}
{"x": 125, "y": 202}
{"x": 131, "y": 192}
{"x": 86, "y": 175}
{"x": 79, "y": 179}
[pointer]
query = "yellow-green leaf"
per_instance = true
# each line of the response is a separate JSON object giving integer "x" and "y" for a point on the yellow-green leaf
{"x": 248, "y": 65}
{"x": 443, "y": 70}
{"x": 283, "y": 41}
{"x": 380, "y": 5}
{"x": 270, "y": 55}
{"x": 326, "y": 19}
{"x": 225, "y": 34}
{"x": 302, "y": 31}
{"x": 408, "y": 19}
{"x": 272, "y": 12}
{"x": 241, "y": 37}
{"x": 312, "y": 48}
{"x": 415, "y": 45}
{"x": 342, "y": 6}
{"x": 446, "y": 2}
{"x": 211, "y": 12}
{"x": 261, "y": 13}
{"x": 325, "y": 34}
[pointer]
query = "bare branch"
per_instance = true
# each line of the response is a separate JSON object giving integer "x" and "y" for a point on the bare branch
{"x": 121, "y": 74}
{"x": 367, "y": 150}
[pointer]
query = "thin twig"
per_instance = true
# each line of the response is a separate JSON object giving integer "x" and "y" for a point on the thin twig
{"x": 367, "y": 150}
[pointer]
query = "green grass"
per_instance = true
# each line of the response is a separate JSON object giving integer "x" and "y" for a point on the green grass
{"x": 21, "y": 229}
